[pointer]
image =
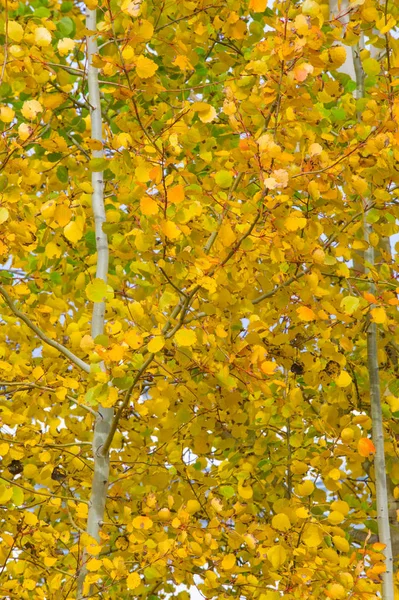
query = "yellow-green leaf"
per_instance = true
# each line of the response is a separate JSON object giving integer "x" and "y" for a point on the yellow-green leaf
{"x": 99, "y": 291}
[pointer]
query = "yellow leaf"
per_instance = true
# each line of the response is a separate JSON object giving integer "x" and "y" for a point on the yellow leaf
{"x": 349, "y": 304}
{"x": 337, "y": 55}
{"x": 206, "y": 112}
{"x": 227, "y": 235}
{"x": 156, "y": 344}
{"x": 4, "y": 448}
{"x": 145, "y": 67}
{"x": 217, "y": 505}
{"x": 31, "y": 108}
{"x": 182, "y": 62}
{"x": 4, "y": 214}
{"x": 146, "y": 28}
{"x": 257, "y": 5}
{"x": 305, "y": 313}
{"x": 24, "y": 132}
{"x": 343, "y": 379}
{"x": 93, "y": 564}
{"x": 393, "y": 402}
{"x": 5, "y": 494}
{"x": 281, "y": 522}
{"x": 315, "y": 149}
{"x": 142, "y": 172}
{"x": 87, "y": 343}
{"x": 336, "y": 591}
{"x": 30, "y": 471}
{"x": 277, "y": 556}
{"x": 29, "y": 584}
{"x": 305, "y": 489}
{"x": 73, "y": 231}
{"x": 312, "y": 536}
{"x": 142, "y": 523}
{"x": 340, "y": 543}
{"x": 245, "y": 492}
{"x": 378, "y": 315}
{"x": 148, "y": 206}
{"x": 209, "y": 115}
{"x": 185, "y": 337}
{"x": 42, "y": 37}
{"x": 171, "y": 230}
{"x": 30, "y": 518}
{"x": 335, "y": 517}
{"x": 6, "y": 114}
{"x": 302, "y": 513}
{"x": 340, "y": 505}
{"x": 131, "y": 7}
{"x": 99, "y": 291}
{"x": 15, "y": 31}
{"x": 82, "y": 510}
{"x": 65, "y": 46}
{"x": 229, "y": 562}
{"x": 176, "y": 194}
{"x": 133, "y": 581}
{"x": 293, "y": 223}
{"x": 335, "y": 474}
{"x": 193, "y": 506}
{"x": 133, "y": 339}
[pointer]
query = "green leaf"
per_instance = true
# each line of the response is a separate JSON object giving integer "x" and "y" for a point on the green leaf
{"x": 122, "y": 383}
{"x": 373, "y": 216}
{"x": 66, "y": 27}
{"x": 66, "y": 6}
{"x": 62, "y": 174}
{"x": 227, "y": 491}
{"x": 42, "y": 12}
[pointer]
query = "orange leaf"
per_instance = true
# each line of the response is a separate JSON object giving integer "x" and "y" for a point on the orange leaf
{"x": 365, "y": 447}
{"x": 305, "y": 313}
{"x": 369, "y": 297}
{"x": 176, "y": 194}
{"x": 257, "y": 5}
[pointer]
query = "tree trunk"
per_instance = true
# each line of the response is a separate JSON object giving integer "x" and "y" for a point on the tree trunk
{"x": 104, "y": 415}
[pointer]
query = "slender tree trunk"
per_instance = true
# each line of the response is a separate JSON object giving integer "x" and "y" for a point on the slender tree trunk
{"x": 104, "y": 415}
{"x": 353, "y": 68}
{"x": 384, "y": 531}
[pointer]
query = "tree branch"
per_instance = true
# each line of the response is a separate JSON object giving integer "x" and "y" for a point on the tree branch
{"x": 67, "y": 353}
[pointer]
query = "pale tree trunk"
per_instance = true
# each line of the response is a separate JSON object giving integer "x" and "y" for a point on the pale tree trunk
{"x": 353, "y": 68}
{"x": 381, "y": 488}
{"x": 104, "y": 415}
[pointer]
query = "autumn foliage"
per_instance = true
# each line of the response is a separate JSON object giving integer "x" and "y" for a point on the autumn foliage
{"x": 240, "y": 164}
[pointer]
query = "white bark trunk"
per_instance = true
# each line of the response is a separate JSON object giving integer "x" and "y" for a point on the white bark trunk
{"x": 105, "y": 415}
{"x": 384, "y": 531}
{"x": 353, "y": 68}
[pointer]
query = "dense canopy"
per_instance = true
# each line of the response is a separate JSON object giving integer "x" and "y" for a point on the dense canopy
{"x": 248, "y": 165}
